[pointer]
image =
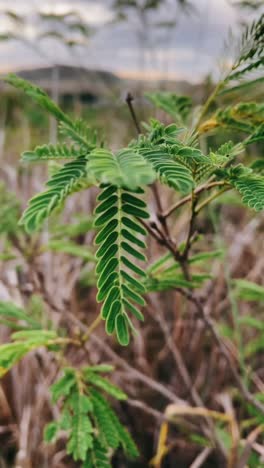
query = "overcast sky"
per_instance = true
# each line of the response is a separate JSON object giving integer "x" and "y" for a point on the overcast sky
{"x": 190, "y": 51}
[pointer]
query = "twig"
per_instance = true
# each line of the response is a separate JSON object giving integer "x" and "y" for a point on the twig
{"x": 129, "y": 100}
{"x": 211, "y": 198}
{"x": 188, "y": 198}
{"x": 202, "y": 457}
{"x": 185, "y": 376}
{"x": 133, "y": 372}
{"x": 91, "y": 328}
{"x": 252, "y": 437}
{"x": 190, "y": 232}
{"x": 160, "y": 216}
{"x": 209, "y": 101}
{"x": 210, "y": 325}
{"x": 151, "y": 231}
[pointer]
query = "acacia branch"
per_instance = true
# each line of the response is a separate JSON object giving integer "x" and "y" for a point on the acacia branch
{"x": 188, "y": 198}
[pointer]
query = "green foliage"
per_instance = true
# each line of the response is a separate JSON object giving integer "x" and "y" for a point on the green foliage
{"x": 9, "y": 211}
{"x": 91, "y": 425}
{"x": 70, "y": 248}
{"x": 245, "y": 117}
{"x": 169, "y": 171}
{"x": 251, "y": 188}
{"x": 249, "y": 185}
{"x": 80, "y": 225}
{"x": 79, "y": 133}
{"x": 12, "y": 315}
{"x": 165, "y": 273}
{"x": 251, "y": 51}
{"x": 23, "y": 342}
{"x": 46, "y": 152}
{"x": 117, "y": 217}
{"x": 248, "y": 290}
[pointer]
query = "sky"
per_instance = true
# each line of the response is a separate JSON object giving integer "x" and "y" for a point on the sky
{"x": 189, "y": 51}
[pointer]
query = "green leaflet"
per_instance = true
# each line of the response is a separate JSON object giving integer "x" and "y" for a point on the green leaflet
{"x": 117, "y": 240}
{"x": 121, "y": 325}
{"x": 115, "y": 309}
{"x": 66, "y": 181}
{"x": 124, "y": 437}
{"x": 249, "y": 291}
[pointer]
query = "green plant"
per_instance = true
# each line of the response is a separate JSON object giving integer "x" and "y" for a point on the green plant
{"x": 160, "y": 155}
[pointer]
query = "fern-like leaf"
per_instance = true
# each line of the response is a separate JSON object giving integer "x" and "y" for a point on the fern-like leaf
{"x": 104, "y": 420}
{"x": 39, "y": 96}
{"x": 121, "y": 433}
{"x": 117, "y": 219}
{"x": 66, "y": 181}
{"x": 109, "y": 419}
{"x": 98, "y": 457}
{"x": 170, "y": 172}
{"x": 92, "y": 427}
{"x": 251, "y": 56}
{"x": 81, "y": 439}
{"x": 126, "y": 168}
{"x": 79, "y": 133}
{"x": 46, "y": 152}
{"x": 251, "y": 188}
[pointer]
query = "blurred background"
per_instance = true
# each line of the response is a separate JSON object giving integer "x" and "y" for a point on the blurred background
{"x": 87, "y": 55}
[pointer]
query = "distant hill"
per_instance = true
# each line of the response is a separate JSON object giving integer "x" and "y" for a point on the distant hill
{"x": 68, "y": 82}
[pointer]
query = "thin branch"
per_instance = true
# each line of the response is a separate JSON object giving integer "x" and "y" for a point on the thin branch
{"x": 209, "y": 101}
{"x": 132, "y": 371}
{"x": 188, "y": 198}
{"x": 224, "y": 351}
{"x": 190, "y": 231}
{"x": 211, "y": 198}
{"x": 160, "y": 216}
{"x": 151, "y": 231}
{"x": 202, "y": 457}
{"x": 129, "y": 100}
